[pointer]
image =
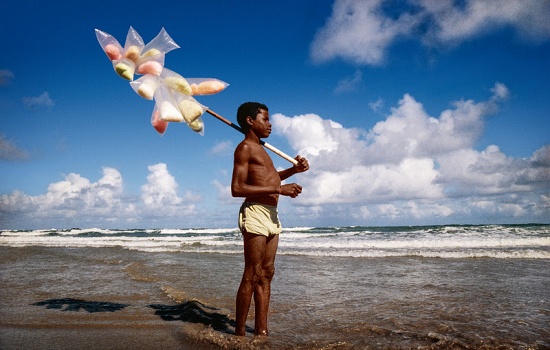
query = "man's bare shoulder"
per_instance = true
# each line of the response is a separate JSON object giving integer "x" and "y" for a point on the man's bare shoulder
{"x": 248, "y": 147}
{"x": 253, "y": 153}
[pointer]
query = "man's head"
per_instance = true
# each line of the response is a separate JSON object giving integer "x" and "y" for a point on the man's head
{"x": 248, "y": 109}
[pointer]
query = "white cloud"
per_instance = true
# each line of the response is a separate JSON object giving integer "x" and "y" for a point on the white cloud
{"x": 160, "y": 194}
{"x": 42, "y": 100}
{"x": 500, "y": 92}
{"x": 452, "y": 23}
{"x": 411, "y": 168}
{"x": 224, "y": 193}
{"x": 417, "y": 166}
{"x": 349, "y": 84}
{"x": 376, "y": 105}
{"x": 356, "y": 31}
{"x": 161, "y": 188}
{"x": 389, "y": 210}
{"x": 541, "y": 158}
{"x": 410, "y": 179}
{"x": 491, "y": 172}
{"x": 78, "y": 201}
{"x": 500, "y": 209}
{"x": 422, "y": 210}
{"x": 310, "y": 135}
{"x": 69, "y": 198}
{"x": 222, "y": 148}
{"x": 10, "y": 151}
{"x": 410, "y": 132}
{"x": 6, "y": 76}
{"x": 362, "y": 31}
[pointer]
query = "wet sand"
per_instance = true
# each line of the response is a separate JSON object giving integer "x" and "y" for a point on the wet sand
{"x": 112, "y": 298}
{"x": 49, "y": 300}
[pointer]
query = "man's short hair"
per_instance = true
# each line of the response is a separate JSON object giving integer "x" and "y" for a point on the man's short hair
{"x": 248, "y": 109}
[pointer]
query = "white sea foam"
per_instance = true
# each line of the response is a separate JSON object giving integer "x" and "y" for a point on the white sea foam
{"x": 495, "y": 241}
{"x": 198, "y": 231}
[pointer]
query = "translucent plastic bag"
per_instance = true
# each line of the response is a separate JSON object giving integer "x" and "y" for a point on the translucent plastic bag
{"x": 133, "y": 45}
{"x": 125, "y": 68}
{"x": 109, "y": 44}
{"x": 161, "y": 43}
{"x": 152, "y": 65}
{"x": 165, "y": 102}
{"x": 175, "y": 81}
{"x": 189, "y": 108}
{"x": 123, "y": 58}
{"x": 197, "y": 126}
{"x": 159, "y": 124}
{"x": 206, "y": 86}
{"x": 146, "y": 86}
{"x": 173, "y": 94}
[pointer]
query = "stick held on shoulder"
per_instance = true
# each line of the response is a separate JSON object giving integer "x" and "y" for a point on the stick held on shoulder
{"x": 265, "y": 144}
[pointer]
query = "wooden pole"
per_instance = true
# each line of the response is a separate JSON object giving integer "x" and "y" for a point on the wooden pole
{"x": 265, "y": 144}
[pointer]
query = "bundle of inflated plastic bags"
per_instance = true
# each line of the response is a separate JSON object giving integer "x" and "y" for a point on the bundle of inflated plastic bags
{"x": 172, "y": 93}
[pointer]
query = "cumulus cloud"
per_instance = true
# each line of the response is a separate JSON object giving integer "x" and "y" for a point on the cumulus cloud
{"x": 362, "y": 31}
{"x": 409, "y": 168}
{"x": 311, "y": 135}
{"x": 160, "y": 194}
{"x": 416, "y": 164}
{"x": 161, "y": 188}
{"x": 42, "y": 100}
{"x": 6, "y": 76}
{"x": 73, "y": 196}
{"x": 410, "y": 179}
{"x": 10, "y": 151}
{"x": 491, "y": 172}
{"x": 408, "y": 132}
{"x": 78, "y": 201}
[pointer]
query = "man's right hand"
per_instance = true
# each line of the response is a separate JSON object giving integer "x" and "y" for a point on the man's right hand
{"x": 291, "y": 190}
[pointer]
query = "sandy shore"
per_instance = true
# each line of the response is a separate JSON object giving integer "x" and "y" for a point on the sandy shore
{"x": 114, "y": 298}
{"x": 49, "y": 300}
{"x": 70, "y": 323}
{"x": 36, "y": 337}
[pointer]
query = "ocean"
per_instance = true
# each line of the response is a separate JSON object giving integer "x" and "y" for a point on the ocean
{"x": 417, "y": 287}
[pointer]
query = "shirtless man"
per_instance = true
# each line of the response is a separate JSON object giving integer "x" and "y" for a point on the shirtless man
{"x": 256, "y": 179}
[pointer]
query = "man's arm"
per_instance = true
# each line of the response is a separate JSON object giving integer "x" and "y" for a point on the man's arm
{"x": 302, "y": 166}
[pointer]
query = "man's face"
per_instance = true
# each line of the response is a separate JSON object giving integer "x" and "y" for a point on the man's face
{"x": 261, "y": 125}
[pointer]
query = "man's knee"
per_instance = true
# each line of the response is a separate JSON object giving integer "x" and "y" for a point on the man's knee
{"x": 261, "y": 273}
{"x": 254, "y": 274}
{"x": 268, "y": 272}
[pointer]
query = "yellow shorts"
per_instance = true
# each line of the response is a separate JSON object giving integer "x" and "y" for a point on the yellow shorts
{"x": 259, "y": 219}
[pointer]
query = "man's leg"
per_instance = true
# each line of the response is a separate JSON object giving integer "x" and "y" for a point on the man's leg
{"x": 254, "y": 252}
{"x": 262, "y": 292}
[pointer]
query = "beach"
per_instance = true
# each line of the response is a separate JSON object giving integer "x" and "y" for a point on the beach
{"x": 112, "y": 297}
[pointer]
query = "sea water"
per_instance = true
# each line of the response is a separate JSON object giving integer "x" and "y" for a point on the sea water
{"x": 489, "y": 241}
{"x": 433, "y": 287}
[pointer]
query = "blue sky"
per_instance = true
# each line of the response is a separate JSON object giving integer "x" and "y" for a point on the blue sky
{"x": 410, "y": 112}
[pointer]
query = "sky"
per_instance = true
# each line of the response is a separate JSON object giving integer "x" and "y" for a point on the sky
{"x": 411, "y": 112}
